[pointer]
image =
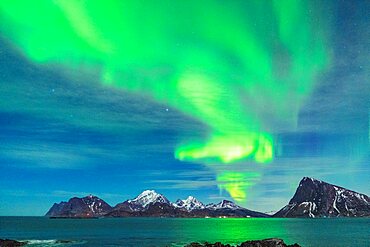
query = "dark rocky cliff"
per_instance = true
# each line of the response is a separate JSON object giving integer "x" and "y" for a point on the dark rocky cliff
{"x": 315, "y": 198}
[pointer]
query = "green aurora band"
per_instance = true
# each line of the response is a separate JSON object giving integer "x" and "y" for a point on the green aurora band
{"x": 220, "y": 62}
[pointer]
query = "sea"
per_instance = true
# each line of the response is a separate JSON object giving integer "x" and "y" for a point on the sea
{"x": 325, "y": 232}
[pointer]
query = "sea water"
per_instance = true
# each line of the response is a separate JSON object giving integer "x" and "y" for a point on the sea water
{"x": 42, "y": 231}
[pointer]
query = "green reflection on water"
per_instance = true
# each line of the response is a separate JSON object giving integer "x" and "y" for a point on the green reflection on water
{"x": 231, "y": 230}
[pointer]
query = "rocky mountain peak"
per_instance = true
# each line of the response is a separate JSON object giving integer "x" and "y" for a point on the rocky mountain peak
{"x": 311, "y": 180}
{"x": 149, "y": 197}
{"x": 315, "y": 198}
{"x": 88, "y": 206}
{"x": 189, "y": 204}
{"x": 224, "y": 204}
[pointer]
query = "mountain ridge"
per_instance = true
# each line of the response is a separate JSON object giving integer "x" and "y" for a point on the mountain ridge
{"x": 313, "y": 198}
{"x": 149, "y": 203}
{"x": 157, "y": 205}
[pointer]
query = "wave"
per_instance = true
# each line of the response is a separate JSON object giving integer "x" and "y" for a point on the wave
{"x": 50, "y": 242}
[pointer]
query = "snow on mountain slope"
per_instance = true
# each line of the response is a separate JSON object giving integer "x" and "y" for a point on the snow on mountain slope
{"x": 149, "y": 197}
{"x": 189, "y": 204}
{"x": 96, "y": 205}
{"x": 224, "y": 204}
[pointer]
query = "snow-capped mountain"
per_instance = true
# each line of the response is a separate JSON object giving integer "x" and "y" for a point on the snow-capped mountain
{"x": 149, "y": 197}
{"x": 315, "y": 198}
{"x": 89, "y": 206}
{"x": 148, "y": 204}
{"x": 224, "y": 204}
{"x": 230, "y": 209}
{"x": 189, "y": 204}
{"x": 141, "y": 203}
{"x": 152, "y": 204}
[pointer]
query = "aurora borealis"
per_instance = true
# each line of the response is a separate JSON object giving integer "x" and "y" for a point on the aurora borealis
{"x": 241, "y": 76}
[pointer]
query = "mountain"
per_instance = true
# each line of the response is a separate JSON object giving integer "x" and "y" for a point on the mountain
{"x": 148, "y": 197}
{"x": 315, "y": 198}
{"x": 224, "y": 204}
{"x": 56, "y": 209}
{"x": 142, "y": 202}
{"x": 189, "y": 204}
{"x": 151, "y": 204}
{"x": 89, "y": 206}
{"x": 227, "y": 208}
{"x": 148, "y": 204}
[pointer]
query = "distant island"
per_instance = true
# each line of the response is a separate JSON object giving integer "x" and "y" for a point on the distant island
{"x": 271, "y": 242}
{"x": 313, "y": 198}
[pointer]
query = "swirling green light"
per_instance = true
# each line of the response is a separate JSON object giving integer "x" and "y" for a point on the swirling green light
{"x": 222, "y": 63}
{"x": 236, "y": 183}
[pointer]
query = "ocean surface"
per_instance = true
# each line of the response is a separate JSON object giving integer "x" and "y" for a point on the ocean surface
{"x": 42, "y": 231}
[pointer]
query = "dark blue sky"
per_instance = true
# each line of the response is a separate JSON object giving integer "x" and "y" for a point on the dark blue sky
{"x": 62, "y": 137}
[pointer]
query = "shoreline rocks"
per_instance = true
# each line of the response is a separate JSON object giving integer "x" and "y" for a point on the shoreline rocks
{"x": 15, "y": 243}
{"x": 11, "y": 243}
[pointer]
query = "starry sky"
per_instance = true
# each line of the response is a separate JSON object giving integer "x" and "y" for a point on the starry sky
{"x": 220, "y": 100}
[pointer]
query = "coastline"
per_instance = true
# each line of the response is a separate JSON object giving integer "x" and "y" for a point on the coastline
{"x": 270, "y": 242}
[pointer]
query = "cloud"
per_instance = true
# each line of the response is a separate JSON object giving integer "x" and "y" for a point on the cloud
{"x": 51, "y": 155}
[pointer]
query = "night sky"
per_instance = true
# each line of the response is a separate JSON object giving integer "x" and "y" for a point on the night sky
{"x": 216, "y": 99}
